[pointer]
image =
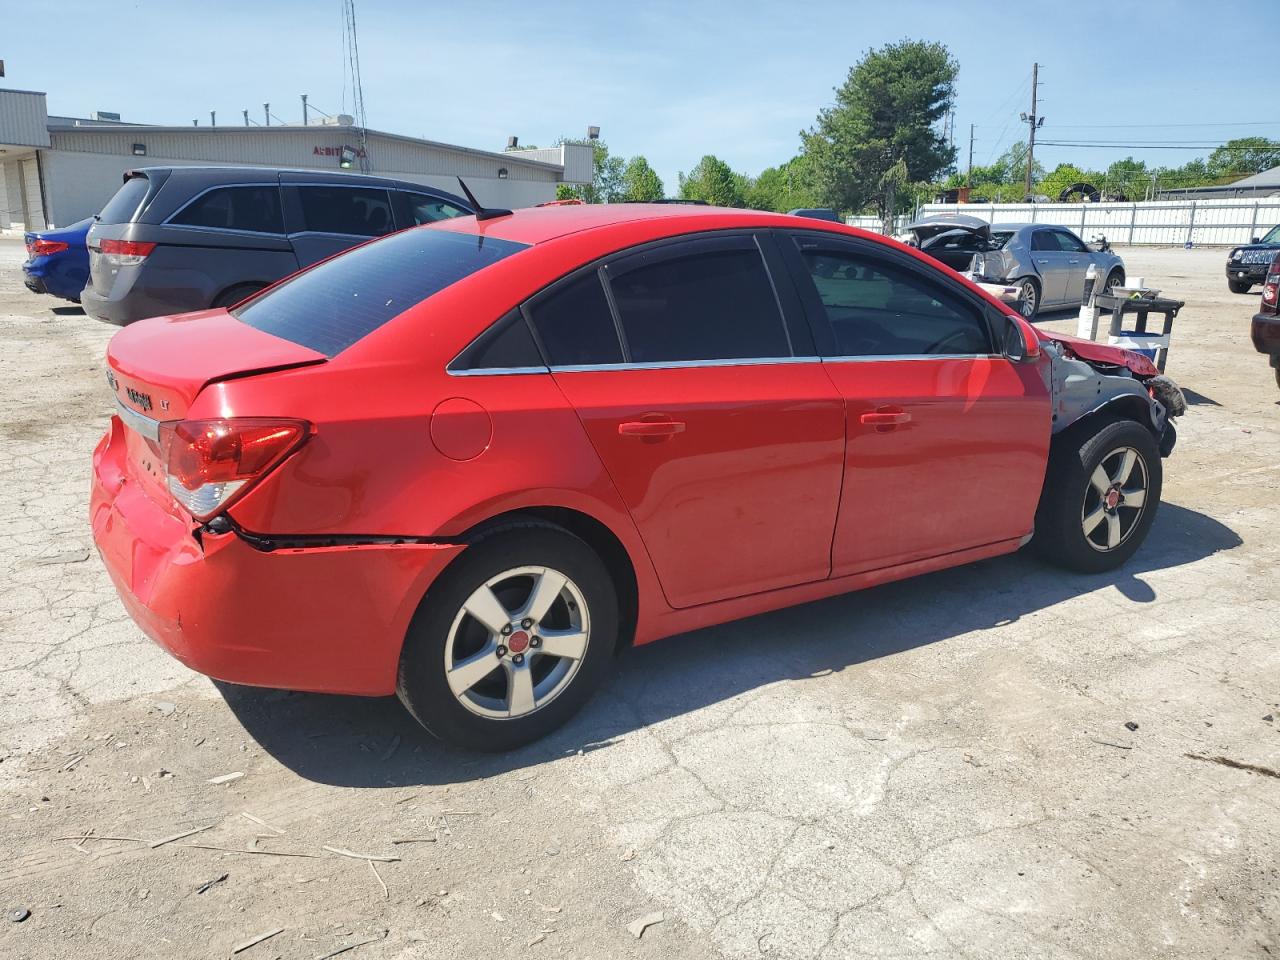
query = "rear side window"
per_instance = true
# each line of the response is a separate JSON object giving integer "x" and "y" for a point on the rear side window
{"x": 254, "y": 209}
{"x": 507, "y": 345}
{"x": 122, "y": 207}
{"x": 340, "y": 301}
{"x": 715, "y": 305}
{"x": 428, "y": 209}
{"x": 575, "y": 325}
{"x": 879, "y": 310}
{"x": 353, "y": 211}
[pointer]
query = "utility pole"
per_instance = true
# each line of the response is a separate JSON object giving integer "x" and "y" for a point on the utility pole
{"x": 968, "y": 177}
{"x": 1034, "y": 123}
{"x": 304, "y": 109}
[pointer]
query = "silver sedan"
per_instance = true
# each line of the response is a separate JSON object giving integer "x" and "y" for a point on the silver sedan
{"x": 1047, "y": 263}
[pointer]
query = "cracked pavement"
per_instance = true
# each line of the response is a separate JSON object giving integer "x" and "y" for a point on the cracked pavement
{"x": 936, "y": 768}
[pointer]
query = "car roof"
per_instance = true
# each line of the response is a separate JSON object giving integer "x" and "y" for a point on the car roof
{"x": 1028, "y": 226}
{"x": 533, "y": 225}
{"x": 238, "y": 174}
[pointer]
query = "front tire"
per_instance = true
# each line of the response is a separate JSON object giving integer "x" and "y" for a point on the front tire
{"x": 511, "y": 640}
{"x": 1240, "y": 286}
{"x": 1100, "y": 497}
{"x": 1114, "y": 279}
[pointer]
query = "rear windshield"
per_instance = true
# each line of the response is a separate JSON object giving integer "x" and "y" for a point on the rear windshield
{"x": 999, "y": 238}
{"x": 122, "y": 207}
{"x": 332, "y": 305}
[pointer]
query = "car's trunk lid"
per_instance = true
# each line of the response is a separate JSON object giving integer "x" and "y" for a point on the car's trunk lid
{"x": 928, "y": 227}
{"x": 157, "y": 367}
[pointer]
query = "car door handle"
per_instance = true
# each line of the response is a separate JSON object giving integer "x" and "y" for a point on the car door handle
{"x": 1073, "y": 261}
{"x": 650, "y": 428}
{"x": 1042, "y": 261}
{"x": 886, "y": 417}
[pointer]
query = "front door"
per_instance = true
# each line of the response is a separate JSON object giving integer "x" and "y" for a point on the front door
{"x": 726, "y": 448}
{"x": 1051, "y": 262}
{"x": 947, "y": 439}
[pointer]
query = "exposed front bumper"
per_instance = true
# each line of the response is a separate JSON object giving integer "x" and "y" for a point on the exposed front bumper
{"x": 1253, "y": 272}
{"x": 322, "y": 619}
{"x": 1265, "y": 333}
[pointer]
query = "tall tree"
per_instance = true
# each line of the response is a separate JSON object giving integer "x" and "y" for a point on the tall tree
{"x": 606, "y": 179}
{"x": 715, "y": 182}
{"x": 784, "y": 187}
{"x": 640, "y": 181}
{"x": 882, "y": 132}
{"x": 1246, "y": 155}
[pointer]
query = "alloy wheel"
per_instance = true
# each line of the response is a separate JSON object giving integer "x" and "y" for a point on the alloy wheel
{"x": 1028, "y": 299}
{"x": 1114, "y": 499}
{"x": 517, "y": 642}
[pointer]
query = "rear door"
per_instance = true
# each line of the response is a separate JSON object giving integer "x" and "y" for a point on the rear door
{"x": 324, "y": 219}
{"x": 1051, "y": 262}
{"x": 719, "y": 428}
{"x": 947, "y": 439}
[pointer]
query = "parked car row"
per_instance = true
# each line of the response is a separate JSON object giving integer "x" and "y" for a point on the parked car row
{"x": 1265, "y": 330}
{"x": 174, "y": 239}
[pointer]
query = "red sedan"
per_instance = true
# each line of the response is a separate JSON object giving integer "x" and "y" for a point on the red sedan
{"x": 466, "y": 463}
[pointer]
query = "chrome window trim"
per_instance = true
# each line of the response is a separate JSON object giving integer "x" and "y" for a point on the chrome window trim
{"x": 138, "y": 422}
{"x": 497, "y": 371}
{"x": 871, "y": 358}
{"x": 683, "y": 364}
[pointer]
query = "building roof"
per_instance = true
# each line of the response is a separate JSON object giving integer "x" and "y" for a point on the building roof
{"x": 1267, "y": 178}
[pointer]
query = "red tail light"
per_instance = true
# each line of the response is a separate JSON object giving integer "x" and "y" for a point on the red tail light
{"x": 126, "y": 252}
{"x": 1271, "y": 288}
{"x": 42, "y": 248}
{"x": 212, "y": 462}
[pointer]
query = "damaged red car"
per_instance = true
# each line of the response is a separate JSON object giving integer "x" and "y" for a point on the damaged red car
{"x": 468, "y": 462}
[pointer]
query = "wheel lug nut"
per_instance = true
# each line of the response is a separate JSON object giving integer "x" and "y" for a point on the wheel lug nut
{"x": 518, "y": 659}
{"x": 535, "y": 641}
{"x": 506, "y": 631}
{"x": 526, "y": 623}
{"x": 502, "y": 651}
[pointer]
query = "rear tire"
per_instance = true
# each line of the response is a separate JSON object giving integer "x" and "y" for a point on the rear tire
{"x": 1101, "y": 493}
{"x": 1240, "y": 286}
{"x": 513, "y": 596}
{"x": 1029, "y": 304}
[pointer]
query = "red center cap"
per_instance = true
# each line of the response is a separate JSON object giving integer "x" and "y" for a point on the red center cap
{"x": 1113, "y": 499}
{"x": 518, "y": 642}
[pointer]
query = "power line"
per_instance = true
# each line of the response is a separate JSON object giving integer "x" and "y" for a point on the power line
{"x": 1151, "y": 145}
{"x": 1154, "y": 126}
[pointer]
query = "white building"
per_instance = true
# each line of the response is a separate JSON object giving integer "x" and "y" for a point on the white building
{"x": 57, "y": 170}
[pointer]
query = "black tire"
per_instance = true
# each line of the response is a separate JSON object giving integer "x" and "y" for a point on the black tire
{"x": 422, "y": 684}
{"x": 1240, "y": 286}
{"x": 1026, "y": 284}
{"x": 1069, "y": 497}
{"x": 233, "y": 295}
{"x": 1114, "y": 279}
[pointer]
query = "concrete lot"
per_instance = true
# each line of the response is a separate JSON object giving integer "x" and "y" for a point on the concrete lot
{"x": 938, "y": 768}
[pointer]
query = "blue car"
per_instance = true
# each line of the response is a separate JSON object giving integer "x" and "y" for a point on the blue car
{"x": 58, "y": 261}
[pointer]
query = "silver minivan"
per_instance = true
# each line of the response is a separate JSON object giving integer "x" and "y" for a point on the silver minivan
{"x": 175, "y": 239}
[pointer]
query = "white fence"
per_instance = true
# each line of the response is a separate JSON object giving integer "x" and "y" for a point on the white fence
{"x": 1224, "y": 222}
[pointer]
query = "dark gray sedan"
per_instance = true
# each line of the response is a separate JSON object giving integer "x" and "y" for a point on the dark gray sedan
{"x": 1046, "y": 262}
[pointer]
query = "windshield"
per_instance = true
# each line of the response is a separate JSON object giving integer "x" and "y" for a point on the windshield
{"x": 340, "y": 301}
{"x": 1273, "y": 235}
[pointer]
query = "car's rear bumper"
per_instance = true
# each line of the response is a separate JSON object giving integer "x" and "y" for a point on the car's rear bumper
{"x": 329, "y": 619}
{"x": 33, "y": 283}
{"x": 1265, "y": 333}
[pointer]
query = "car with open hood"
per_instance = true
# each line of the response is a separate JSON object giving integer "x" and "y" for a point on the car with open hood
{"x": 468, "y": 462}
{"x": 1047, "y": 263}
{"x": 1248, "y": 265}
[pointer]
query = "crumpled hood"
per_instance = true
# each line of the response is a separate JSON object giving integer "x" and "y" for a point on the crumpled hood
{"x": 1137, "y": 364}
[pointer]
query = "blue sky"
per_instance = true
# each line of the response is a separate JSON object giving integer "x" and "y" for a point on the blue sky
{"x": 671, "y": 80}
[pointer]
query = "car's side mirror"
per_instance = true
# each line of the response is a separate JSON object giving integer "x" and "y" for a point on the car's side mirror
{"x": 1020, "y": 343}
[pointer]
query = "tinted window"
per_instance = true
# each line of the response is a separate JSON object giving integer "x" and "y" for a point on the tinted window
{"x": 428, "y": 209}
{"x": 575, "y": 325}
{"x": 354, "y": 211}
{"x": 256, "y": 209}
{"x": 121, "y": 207}
{"x": 1068, "y": 242}
{"x": 1045, "y": 240}
{"x": 877, "y": 309}
{"x": 331, "y": 306}
{"x": 505, "y": 345}
{"x": 717, "y": 305}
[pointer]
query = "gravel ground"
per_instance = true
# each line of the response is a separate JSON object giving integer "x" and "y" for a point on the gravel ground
{"x": 939, "y": 768}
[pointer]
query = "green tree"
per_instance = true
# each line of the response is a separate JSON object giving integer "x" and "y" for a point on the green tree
{"x": 882, "y": 133}
{"x": 784, "y": 187}
{"x": 1244, "y": 156}
{"x": 1063, "y": 176}
{"x": 640, "y": 181}
{"x": 606, "y": 179}
{"x": 715, "y": 182}
{"x": 1128, "y": 178}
